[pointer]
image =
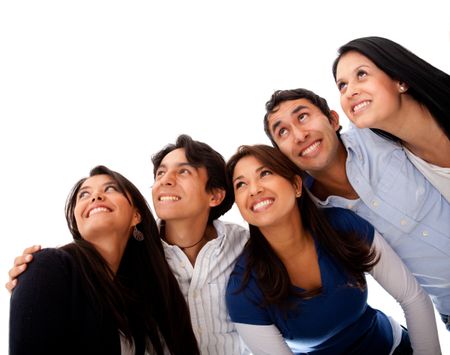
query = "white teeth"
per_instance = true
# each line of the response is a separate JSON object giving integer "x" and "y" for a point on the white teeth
{"x": 169, "y": 198}
{"x": 311, "y": 148}
{"x": 360, "y": 106}
{"x": 98, "y": 210}
{"x": 262, "y": 204}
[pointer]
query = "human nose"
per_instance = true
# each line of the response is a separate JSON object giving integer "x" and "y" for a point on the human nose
{"x": 167, "y": 179}
{"x": 352, "y": 90}
{"x": 255, "y": 188}
{"x": 300, "y": 134}
{"x": 97, "y": 196}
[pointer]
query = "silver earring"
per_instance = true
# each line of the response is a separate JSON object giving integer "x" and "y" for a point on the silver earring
{"x": 402, "y": 89}
{"x": 137, "y": 234}
{"x": 298, "y": 194}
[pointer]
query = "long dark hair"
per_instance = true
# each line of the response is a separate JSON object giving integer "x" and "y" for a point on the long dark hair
{"x": 426, "y": 84}
{"x": 200, "y": 154}
{"x": 143, "y": 298}
{"x": 349, "y": 250}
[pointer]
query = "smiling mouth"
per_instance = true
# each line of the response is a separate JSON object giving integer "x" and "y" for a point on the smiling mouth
{"x": 261, "y": 205}
{"x": 360, "y": 106}
{"x": 310, "y": 149}
{"x": 168, "y": 198}
{"x": 98, "y": 210}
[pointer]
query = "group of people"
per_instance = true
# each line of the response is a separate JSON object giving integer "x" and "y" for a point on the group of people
{"x": 323, "y": 208}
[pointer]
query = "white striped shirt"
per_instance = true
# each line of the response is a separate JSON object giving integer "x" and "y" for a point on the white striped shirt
{"x": 204, "y": 287}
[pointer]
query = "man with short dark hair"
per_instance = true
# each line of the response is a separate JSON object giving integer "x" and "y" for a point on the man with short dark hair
{"x": 362, "y": 171}
{"x": 190, "y": 193}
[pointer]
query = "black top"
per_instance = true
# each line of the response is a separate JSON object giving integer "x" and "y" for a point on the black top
{"x": 51, "y": 312}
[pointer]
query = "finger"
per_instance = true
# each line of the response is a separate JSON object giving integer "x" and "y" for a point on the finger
{"x": 32, "y": 249}
{"x": 10, "y": 285}
{"x": 22, "y": 259}
{"x": 16, "y": 271}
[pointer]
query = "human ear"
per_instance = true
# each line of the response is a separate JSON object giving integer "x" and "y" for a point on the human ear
{"x": 334, "y": 120}
{"x": 402, "y": 87}
{"x": 136, "y": 218}
{"x": 217, "y": 196}
{"x": 298, "y": 184}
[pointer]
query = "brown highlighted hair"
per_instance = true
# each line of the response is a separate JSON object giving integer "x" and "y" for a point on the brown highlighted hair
{"x": 351, "y": 251}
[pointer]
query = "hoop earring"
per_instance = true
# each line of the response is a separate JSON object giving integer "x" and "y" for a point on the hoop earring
{"x": 137, "y": 234}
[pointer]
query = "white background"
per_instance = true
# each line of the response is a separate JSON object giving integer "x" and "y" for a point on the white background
{"x": 111, "y": 82}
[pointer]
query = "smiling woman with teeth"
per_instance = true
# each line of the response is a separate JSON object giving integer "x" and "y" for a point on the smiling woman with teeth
{"x": 299, "y": 286}
{"x": 111, "y": 290}
{"x": 398, "y": 95}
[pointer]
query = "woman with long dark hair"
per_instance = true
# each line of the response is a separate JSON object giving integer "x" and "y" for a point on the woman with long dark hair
{"x": 299, "y": 286}
{"x": 389, "y": 89}
{"x": 110, "y": 291}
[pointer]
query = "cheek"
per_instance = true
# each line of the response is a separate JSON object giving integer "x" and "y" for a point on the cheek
{"x": 344, "y": 103}
{"x": 286, "y": 147}
{"x": 240, "y": 203}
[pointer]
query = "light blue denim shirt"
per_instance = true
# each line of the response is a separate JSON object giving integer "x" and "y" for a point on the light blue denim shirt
{"x": 403, "y": 206}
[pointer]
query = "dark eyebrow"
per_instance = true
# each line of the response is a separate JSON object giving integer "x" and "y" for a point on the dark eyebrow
{"x": 354, "y": 70}
{"x": 179, "y": 165}
{"x": 293, "y": 112}
{"x": 109, "y": 182}
{"x": 241, "y": 176}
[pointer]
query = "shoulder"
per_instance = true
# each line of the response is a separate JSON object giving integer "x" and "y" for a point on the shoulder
{"x": 231, "y": 231}
{"x": 49, "y": 264}
{"x": 365, "y": 142}
{"x": 347, "y": 221}
{"x": 51, "y": 257}
{"x": 49, "y": 276}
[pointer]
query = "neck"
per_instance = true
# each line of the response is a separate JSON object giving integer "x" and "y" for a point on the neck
{"x": 333, "y": 179}
{"x": 190, "y": 236}
{"x": 420, "y": 133}
{"x": 288, "y": 237}
{"x": 111, "y": 248}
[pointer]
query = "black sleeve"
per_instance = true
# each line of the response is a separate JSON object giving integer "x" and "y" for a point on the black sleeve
{"x": 40, "y": 305}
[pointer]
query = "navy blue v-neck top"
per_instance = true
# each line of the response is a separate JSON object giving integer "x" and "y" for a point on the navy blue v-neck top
{"x": 338, "y": 321}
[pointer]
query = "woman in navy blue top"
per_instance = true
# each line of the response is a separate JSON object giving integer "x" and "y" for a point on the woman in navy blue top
{"x": 299, "y": 286}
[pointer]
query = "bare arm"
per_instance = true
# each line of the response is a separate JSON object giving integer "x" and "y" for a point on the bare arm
{"x": 20, "y": 265}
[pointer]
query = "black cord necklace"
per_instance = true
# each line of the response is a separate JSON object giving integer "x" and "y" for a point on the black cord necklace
{"x": 193, "y": 245}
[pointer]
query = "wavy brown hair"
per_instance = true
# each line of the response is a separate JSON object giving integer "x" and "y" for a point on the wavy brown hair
{"x": 351, "y": 251}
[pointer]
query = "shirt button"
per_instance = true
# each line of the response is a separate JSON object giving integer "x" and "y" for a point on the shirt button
{"x": 182, "y": 265}
{"x": 403, "y": 222}
{"x": 425, "y": 233}
{"x": 350, "y": 207}
{"x": 375, "y": 203}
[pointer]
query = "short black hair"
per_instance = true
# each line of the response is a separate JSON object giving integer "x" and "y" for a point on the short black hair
{"x": 280, "y": 96}
{"x": 200, "y": 154}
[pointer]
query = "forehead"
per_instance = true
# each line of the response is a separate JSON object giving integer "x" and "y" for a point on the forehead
{"x": 176, "y": 156}
{"x": 247, "y": 165}
{"x": 353, "y": 59}
{"x": 96, "y": 180}
{"x": 288, "y": 107}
